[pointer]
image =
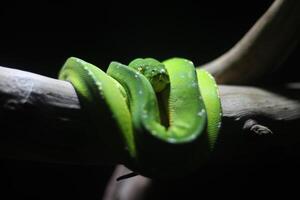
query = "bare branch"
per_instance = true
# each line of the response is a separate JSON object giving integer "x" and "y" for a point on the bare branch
{"x": 41, "y": 118}
{"x": 265, "y": 46}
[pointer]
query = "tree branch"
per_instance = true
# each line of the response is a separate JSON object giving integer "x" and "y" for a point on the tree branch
{"x": 264, "y": 47}
{"x": 42, "y": 120}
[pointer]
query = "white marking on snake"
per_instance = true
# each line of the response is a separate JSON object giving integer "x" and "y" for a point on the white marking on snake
{"x": 201, "y": 112}
{"x": 172, "y": 140}
{"x": 194, "y": 84}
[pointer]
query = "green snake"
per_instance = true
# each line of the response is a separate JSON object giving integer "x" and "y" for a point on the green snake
{"x": 161, "y": 119}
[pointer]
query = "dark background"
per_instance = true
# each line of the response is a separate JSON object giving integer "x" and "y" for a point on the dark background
{"x": 40, "y": 37}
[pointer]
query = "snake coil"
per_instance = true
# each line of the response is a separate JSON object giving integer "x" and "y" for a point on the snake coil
{"x": 163, "y": 118}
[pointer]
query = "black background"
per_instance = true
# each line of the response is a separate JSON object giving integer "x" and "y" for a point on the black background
{"x": 39, "y": 37}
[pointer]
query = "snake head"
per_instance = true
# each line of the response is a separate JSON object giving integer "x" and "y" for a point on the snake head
{"x": 153, "y": 70}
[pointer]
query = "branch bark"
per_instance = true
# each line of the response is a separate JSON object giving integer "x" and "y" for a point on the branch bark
{"x": 264, "y": 47}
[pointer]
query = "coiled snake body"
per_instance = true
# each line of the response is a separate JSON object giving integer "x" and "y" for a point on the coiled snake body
{"x": 166, "y": 116}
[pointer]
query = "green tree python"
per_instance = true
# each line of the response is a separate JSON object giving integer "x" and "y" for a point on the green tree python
{"x": 163, "y": 117}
